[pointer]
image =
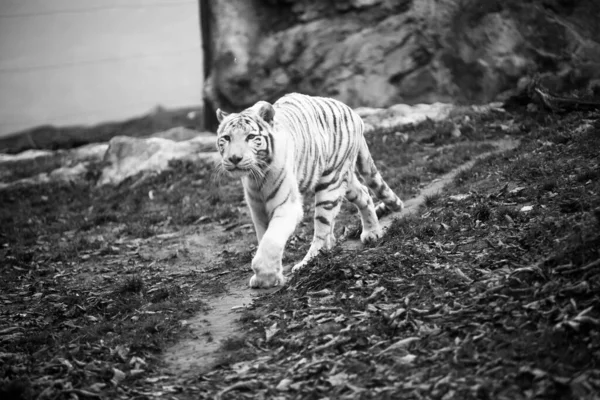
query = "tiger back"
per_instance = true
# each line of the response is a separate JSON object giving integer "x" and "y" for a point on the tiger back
{"x": 300, "y": 144}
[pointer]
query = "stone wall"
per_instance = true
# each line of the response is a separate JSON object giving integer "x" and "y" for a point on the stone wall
{"x": 381, "y": 52}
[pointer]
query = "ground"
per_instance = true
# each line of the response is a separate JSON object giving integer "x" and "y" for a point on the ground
{"x": 489, "y": 291}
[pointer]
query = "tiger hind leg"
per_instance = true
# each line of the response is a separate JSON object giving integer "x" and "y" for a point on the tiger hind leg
{"x": 327, "y": 207}
{"x": 390, "y": 202}
{"x": 358, "y": 194}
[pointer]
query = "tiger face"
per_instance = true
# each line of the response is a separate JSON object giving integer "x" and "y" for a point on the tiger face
{"x": 245, "y": 142}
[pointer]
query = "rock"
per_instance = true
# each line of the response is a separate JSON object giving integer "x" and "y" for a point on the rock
{"x": 37, "y": 166}
{"x": 62, "y": 174}
{"x": 378, "y": 53}
{"x": 69, "y": 174}
{"x": 128, "y": 156}
{"x": 403, "y": 114}
{"x": 89, "y": 152}
{"x": 27, "y": 156}
{"x": 400, "y": 115}
{"x": 123, "y": 157}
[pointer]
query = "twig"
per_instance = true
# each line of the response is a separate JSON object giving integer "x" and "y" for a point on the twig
{"x": 81, "y": 392}
{"x": 557, "y": 103}
{"x": 331, "y": 343}
{"x": 399, "y": 344}
{"x": 585, "y": 268}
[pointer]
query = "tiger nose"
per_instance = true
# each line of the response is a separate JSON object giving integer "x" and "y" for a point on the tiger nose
{"x": 235, "y": 159}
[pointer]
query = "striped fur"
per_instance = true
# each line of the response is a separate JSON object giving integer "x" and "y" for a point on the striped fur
{"x": 300, "y": 144}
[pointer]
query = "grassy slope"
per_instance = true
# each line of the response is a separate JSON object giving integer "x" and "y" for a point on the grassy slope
{"x": 91, "y": 284}
{"x": 474, "y": 298}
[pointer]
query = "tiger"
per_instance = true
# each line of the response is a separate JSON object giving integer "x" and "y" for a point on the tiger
{"x": 297, "y": 145}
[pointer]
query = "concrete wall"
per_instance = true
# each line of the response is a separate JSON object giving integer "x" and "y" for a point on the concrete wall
{"x": 65, "y": 62}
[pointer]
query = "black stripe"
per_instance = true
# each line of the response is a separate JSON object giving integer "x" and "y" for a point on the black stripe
{"x": 329, "y": 170}
{"x": 279, "y": 205}
{"x": 328, "y": 204}
{"x": 322, "y": 220}
{"x": 345, "y": 118}
{"x": 341, "y": 151}
{"x": 381, "y": 190}
{"x": 335, "y": 124}
{"x": 304, "y": 157}
{"x": 360, "y": 164}
{"x": 305, "y": 178}
{"x": 340, "y": 183}
{"x": 374, "y": 185}
{"x": 335, "y": 181}
{"x": 308, "y": 176}
{"x": 278, "y": 182}
{"x": 338, "y": 132}
{"x": 271, "y": 144}
{"x": 299, "y": 115}
{"x": 321, "y": 112}
{"x": 323, "y": 185}
{"x": 311, "y": 162}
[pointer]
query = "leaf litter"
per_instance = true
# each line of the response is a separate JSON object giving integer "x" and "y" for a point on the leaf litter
{"x": 469, "y": 298}
{"x": 490, "y": 292}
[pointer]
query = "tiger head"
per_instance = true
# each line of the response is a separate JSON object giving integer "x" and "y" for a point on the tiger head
{"x": 244, "y": 140}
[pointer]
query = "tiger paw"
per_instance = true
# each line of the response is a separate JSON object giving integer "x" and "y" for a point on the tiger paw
{"x": 266, "y": 280}
{"x": 370, "y": 236}
{"x": 299, "y": 266}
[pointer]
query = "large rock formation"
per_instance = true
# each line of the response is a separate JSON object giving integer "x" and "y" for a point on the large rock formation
{"x": 381, "y": 52}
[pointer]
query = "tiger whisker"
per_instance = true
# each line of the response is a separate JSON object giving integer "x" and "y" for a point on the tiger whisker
{"x": 218, "y": 172}
{"x": 256, "y": 173}
{"x": 264, "y": 167}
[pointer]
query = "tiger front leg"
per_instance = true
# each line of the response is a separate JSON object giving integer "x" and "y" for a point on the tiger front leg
{"x": 267, "y": 263}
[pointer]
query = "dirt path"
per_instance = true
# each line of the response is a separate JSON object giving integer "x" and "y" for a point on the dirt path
{"x": 412, "y": 205}
{"x": 199, "y": 353}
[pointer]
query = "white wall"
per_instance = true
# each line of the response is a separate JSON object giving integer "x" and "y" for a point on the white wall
{"x": 65, "y": 62}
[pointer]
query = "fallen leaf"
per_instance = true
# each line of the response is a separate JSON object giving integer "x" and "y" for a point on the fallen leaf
{"x": 407, "y": 359}
{"x": 137, "y": 362}
{"x": 338, "y": 379}
{"x": 400, "y": 344}
{"x": 271, "y": 331}
{"x": 118, "y": 376}
{"x": 155, "y": 379}
{"x": 284, "y": 385}
{"x": 136, "y": 372}
{"x": 122, "y": 352}
{"x": 96, "y": 387}
{"x": 459, "y": 197}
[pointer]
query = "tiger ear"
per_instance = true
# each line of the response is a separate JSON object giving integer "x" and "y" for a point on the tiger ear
{"x": 265, "y": 110}
{"x": 221, "y": 114}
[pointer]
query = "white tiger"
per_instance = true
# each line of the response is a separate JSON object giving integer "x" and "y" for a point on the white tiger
{"x": 299, "y": 144}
